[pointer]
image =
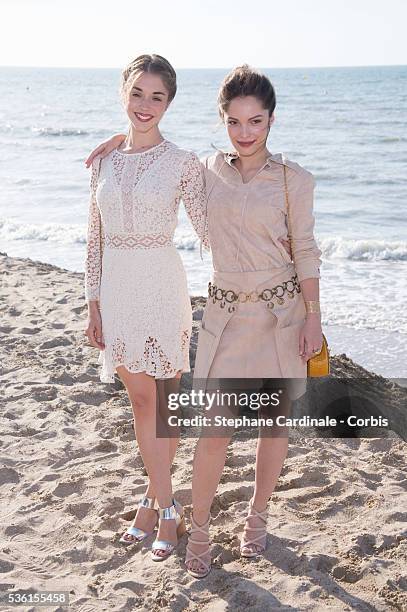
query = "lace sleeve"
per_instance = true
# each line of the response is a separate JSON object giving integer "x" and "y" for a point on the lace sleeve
{"x": 193, "y": 194}
{"x": 95, "y": 241}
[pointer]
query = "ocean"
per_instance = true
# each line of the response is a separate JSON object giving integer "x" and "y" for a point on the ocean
{"x": 348, "y": 126}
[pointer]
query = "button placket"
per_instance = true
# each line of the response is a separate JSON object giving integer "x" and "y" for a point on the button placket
{"x": 242, "y": 214}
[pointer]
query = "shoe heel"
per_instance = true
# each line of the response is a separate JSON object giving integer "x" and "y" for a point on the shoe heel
{"x": 181, "y": 528}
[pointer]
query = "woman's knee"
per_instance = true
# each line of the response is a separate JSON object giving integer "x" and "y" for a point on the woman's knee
{"x": 215, "y": 445}
{"x": 141, "y": 389}
{"x": 142, "y": 403}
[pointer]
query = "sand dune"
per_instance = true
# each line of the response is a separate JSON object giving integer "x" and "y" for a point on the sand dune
{"x": 71, "y": 473}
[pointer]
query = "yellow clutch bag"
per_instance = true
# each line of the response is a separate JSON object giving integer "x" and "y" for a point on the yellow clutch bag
{"x": 318, "y": 365}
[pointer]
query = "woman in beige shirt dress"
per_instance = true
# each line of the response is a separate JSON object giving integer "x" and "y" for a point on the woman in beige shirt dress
{"x": 262, "y": 317}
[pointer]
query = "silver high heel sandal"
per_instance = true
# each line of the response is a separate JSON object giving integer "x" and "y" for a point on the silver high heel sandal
{"x": 138, "y": 535}
{"x": 176, "y": 511}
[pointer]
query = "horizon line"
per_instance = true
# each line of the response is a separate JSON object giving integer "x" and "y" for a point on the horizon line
{"x": 214, "y": 67}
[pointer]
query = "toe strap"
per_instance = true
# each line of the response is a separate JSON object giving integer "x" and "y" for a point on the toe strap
{"x": 136, "y": 532}
{"x": 162, "y": 545}
{"x": 204, "y": 558}
{"x": 191, "y": 556}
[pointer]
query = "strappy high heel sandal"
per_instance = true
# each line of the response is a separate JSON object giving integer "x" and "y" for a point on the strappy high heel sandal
{"x": 204, "y": 557}
{"x": 134, "y": 535}
{"x": 176, "y": 511}
{"x": 258, "y": 541}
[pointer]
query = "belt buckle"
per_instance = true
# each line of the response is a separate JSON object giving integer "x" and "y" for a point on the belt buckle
{"x": 244, "y": 297}
{"x": 230, "y": 296}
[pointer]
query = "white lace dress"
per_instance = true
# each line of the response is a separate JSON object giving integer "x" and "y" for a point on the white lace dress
{"x": 133, "y": 267}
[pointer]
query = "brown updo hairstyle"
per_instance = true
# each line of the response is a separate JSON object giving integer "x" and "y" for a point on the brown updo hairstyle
{"x": 246, "y": 81}
{"x": 154, "y": 64}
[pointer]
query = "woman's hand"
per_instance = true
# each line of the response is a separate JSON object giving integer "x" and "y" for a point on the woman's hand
{"x": 94, "y": 328}
{"x": 286, "y": 244}
{"x": 105, "y": 148}
{"x": 310, "y": 336}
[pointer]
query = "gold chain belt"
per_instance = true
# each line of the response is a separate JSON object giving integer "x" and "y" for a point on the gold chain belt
{"x": 276, "y": 293}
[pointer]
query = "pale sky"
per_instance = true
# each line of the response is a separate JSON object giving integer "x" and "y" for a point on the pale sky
{"x": 208, "y": 34}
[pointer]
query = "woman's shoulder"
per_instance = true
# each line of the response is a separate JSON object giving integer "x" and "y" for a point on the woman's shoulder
{"x": 295, "y": 172}
{"x": 186, "y": 156}
{"x": 100, "y": 161}
{"x": 172, "y": 146}
{"x": 214, "y": 161}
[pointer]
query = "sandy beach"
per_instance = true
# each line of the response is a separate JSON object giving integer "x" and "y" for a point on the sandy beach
{"x": 71, "y": 475}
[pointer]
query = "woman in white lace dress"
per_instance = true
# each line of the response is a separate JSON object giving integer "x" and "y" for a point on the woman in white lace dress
{"x": 139, "y": 312}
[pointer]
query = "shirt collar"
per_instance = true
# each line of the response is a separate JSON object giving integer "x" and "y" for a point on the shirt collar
{"x": 229, "y": 156}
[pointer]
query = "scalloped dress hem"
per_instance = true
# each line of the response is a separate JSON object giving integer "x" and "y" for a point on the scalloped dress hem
{"x": 107, "y": 371}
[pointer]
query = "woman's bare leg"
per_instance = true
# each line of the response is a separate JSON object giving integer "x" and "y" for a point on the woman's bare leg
{"x": 270, "y": 457}
{"x": 164, "y": 388}
{"x": 271, "y": 452}
{"x": 155, "y": 451}
{"x": 209, "y": 461}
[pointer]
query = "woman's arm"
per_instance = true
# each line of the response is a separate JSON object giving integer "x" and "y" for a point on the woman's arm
{"x": 94, "y": 247}
{"x": 193, "y": 194}
{"x": 105, "y": 148}
{"x": 93, "y": 264}
{"x": 310, "y": 340}
{"x": 301, "y": 221}
{"x": 306, "y": 256}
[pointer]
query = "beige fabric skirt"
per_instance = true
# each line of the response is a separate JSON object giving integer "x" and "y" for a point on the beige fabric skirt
{"x": 252, "y": 341}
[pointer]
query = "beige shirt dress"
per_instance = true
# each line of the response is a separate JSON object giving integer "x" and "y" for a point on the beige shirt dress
{"x": 248, "y": 338}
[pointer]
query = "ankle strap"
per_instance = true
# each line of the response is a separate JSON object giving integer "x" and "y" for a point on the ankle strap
{"x": 171, "y": 512}
{"x": 202, "y": 528}
{"x": 147, "y": 502}
{"x": 168, "y": 513}
{"x": 253, "y": 512}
